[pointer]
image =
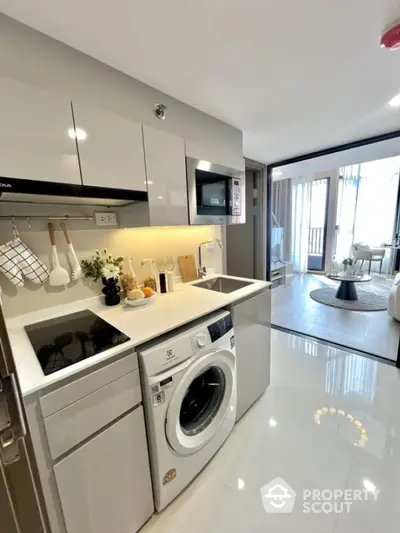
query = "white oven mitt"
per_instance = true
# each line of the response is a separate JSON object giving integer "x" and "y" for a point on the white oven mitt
{"x": 17, "y": 261}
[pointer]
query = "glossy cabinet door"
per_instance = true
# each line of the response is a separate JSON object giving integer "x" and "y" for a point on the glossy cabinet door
{"x": 34, "y": 140}
{"x": 252, "y": 324}
{"x": 105, "y": 485}
{"x": 111, "y": 153}
{"x": 166, "y": 178}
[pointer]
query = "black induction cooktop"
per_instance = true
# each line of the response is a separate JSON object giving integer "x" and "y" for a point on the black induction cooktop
{"x": 66, "y": 340}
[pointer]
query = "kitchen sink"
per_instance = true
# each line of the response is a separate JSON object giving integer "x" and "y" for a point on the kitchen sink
{"x": 225, "y": 285}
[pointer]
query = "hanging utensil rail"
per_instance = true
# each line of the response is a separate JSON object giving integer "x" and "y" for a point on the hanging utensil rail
{"x": 40, "y": 217}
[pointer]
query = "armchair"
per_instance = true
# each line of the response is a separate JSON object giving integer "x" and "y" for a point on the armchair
{"x": 363, "y": 252}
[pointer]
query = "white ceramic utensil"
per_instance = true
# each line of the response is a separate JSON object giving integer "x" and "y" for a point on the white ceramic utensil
{"x": 131, "y": 267}
{"x": 75, "y": 266}
{"x": 58, "y": 276}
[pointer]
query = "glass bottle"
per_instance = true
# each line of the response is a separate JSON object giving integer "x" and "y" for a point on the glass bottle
{"x": 149, "y": 274}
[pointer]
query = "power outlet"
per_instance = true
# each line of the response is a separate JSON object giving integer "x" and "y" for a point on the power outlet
{"x": 108, "y": 218}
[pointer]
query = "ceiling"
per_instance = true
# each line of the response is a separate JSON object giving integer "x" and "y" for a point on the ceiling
{"x": 295, "y": 76}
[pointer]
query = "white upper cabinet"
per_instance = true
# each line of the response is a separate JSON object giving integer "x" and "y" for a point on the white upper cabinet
{"x": 34, "y": 140}
{"x": 166, "y": 178}
{"x": 110, "y": 149}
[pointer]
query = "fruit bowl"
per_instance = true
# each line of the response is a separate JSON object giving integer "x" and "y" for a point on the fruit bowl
{"x": 140, "y": 303}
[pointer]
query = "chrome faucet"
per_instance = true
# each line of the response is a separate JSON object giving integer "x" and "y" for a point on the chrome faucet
{"x": 202, "y": 269}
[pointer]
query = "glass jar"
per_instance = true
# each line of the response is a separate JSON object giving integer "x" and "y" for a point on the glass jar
{"x": 149, "y": 274}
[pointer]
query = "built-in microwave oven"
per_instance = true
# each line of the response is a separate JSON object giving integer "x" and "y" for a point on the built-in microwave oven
{"x": 216, "y": 194}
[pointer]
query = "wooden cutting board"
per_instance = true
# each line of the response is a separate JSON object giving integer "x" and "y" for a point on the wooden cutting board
{"x": 187, "y": 267}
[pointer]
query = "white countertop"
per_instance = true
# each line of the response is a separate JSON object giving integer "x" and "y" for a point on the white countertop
{"x": 141, "y": 324}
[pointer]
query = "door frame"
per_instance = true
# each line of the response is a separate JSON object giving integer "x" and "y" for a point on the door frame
{"x": 330, "y": 215}
{"x": 262, "y": 238}
{"x": 261, "y": 212}
{"x": 326, "y": 220}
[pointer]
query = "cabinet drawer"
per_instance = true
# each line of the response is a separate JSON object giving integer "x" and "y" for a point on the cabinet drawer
{"x": 57, "y": 400}
{"x": 105, "y": 485}
{"x": 70, "y": 426}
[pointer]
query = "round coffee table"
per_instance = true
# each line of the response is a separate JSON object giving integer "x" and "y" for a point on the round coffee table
{"x": 347, "y": 289}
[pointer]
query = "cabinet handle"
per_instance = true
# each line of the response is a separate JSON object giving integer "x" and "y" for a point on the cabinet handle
{"x": 7, "y": 441}
{"x": 18, "y": 404}
{"x": 9, "y": 449}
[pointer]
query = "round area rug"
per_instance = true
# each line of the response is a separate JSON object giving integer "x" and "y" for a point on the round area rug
{"x": 367, "y": 301}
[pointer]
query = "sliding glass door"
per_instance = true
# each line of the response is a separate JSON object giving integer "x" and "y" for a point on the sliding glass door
{"x": 367, "y": 207}
{"x": 318, "y": 225}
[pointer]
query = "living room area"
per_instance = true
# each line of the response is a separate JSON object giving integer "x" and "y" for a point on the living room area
{"x": 335, "y": 251}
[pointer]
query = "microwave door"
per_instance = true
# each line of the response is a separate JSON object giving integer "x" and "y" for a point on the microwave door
{"x": 213, "y": 197}
{"x": 216, "y": 194}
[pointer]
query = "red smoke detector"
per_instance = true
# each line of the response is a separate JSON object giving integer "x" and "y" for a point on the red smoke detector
{"x": 391, "y": 38}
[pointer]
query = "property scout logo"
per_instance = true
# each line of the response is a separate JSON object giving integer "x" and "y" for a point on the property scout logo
{"x": 279, "y": 497}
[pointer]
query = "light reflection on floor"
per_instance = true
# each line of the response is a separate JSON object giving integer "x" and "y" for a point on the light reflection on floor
{"x": 280, "y": 437}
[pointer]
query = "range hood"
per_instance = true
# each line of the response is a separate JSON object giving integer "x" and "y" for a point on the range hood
{"x": 45, "y": 192}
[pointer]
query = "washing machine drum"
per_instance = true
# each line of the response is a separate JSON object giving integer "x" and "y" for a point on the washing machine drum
{"x": 201, "y": 401}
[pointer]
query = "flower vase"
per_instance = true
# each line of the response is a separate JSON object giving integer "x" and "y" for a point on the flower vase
{"x": 111, "y": 291}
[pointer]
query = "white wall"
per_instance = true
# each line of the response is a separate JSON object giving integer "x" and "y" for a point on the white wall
{"x": 38, "y": 60}
{"x": 140, "y": 243}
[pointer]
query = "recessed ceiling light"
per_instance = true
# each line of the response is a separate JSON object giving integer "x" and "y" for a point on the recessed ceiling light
{"x": 272, "y": 423}
{"x": 395, "y": 102}
{"x": 77, "y": 133}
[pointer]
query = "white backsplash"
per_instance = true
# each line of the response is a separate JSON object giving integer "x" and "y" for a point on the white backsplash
{"x": 140, "y": 243}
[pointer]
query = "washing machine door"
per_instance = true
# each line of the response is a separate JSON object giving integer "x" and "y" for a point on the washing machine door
{"x": 201, "y": 401}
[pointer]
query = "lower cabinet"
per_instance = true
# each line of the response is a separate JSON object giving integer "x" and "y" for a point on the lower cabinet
{"x": 105, "y": 485}
{"x": 252, "y": 323}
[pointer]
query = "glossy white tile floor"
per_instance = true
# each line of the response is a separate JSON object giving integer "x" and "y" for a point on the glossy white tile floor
{"x": 373, "y": 332}
{"x": 279, "y": 437}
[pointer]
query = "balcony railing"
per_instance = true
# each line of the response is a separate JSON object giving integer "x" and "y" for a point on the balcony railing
{"x": 316, "y": 241}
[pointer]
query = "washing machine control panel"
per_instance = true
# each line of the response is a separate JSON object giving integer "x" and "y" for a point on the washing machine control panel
{"x": 210, "y": 334}
{"x": 200, "y": 339}
{"x": 220, "y": 328}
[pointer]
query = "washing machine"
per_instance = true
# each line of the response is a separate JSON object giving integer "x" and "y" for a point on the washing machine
{"x": 189, "y": 394}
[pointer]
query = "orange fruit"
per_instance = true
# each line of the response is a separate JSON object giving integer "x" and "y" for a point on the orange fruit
{"x": 148, "y": 292}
